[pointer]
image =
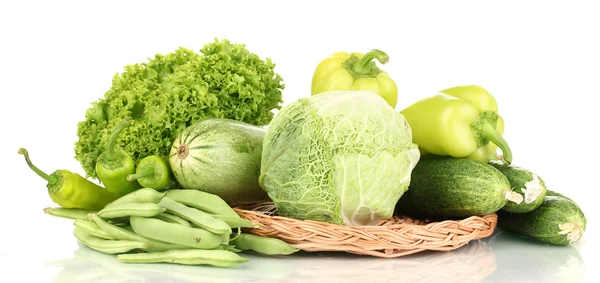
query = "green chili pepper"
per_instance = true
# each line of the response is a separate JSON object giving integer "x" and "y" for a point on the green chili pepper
{"x": 114, "y": 165}
{"x": 70, "y": 190}
{"x": 153, "y": 172}
{"x": 461, "y": 122}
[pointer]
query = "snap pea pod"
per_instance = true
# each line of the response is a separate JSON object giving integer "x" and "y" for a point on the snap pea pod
{"x": 143, "y": 195}
{"x": 263, "y": 245}
{"x": 204, "y": 201}
{"x": 218, "y": 258}
{"x": 160, "y": 230}
{"x": 125, "y": 234}
{"x": 92, "y": 228}
{"x": 131, "y": 209}
{"x": 195, "y": 216}
{"x": 69, "y": 213}
{"x": 173, "y": 219}
{"x": 107, "y": 246}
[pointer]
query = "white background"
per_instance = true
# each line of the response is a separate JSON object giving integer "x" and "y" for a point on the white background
{"x": 539, "y": 59}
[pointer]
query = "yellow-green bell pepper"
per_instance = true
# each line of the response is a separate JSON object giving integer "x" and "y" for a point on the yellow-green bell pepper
{"x": 462, "y": 122}
{"x": 355, "y": 71}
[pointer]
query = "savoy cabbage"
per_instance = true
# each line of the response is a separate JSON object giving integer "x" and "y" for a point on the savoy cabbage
{"x": 342, "y": 157}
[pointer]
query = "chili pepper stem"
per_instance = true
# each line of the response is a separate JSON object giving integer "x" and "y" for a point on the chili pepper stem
{"x": 40, "y": 173}
{"x": 148, "y": 172}
{"x": 111, "y": 154}
{"x": 365, "y": 67}
{"x": 489, "y": 132}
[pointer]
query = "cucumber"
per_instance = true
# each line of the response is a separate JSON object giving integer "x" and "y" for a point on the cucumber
{"x": 452, "y": 187}
{"x": 557, "y": 194}
{"x": 557, "y": 221}
{"x": 221, "y": 157}
{"x": 530, "y": 187}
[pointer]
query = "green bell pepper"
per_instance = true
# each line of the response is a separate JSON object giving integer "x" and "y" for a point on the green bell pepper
{"x": 355, "y": 71}
{"x": 461, "y": 122}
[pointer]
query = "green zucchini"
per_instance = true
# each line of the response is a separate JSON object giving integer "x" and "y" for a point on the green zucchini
{"x": 451, "y": 187}
{"x": 221, "y": 157}
{"x": 557, "y": 221}
{"x": 531, "y": 187}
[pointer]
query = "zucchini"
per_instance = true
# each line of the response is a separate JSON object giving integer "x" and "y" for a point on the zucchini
{"x": 530, "y": 187}
{"x": 557, "y": 221}
{"x": 221, "y": 157}
{"x": 450, "y": 187}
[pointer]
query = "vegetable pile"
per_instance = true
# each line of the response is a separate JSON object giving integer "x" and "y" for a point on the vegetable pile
{"x": 168, "y": 93}
{"x": 179, "y": 141}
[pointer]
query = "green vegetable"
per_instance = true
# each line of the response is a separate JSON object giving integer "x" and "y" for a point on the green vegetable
{"x": 195, "y": 216}
{"x": 218, "y": 258}
{"x": 342, "y": 157}
{"x": 114, "y": 164}
{"x": 529, "y": 185}
{"x": 558, "y": 221}
{"x": 165, "y": 216}
{"x": 221, "y": 157}
{"x": 461, "y": 122}
{"x": 119, "y": 210}
{"x": 557, "y": 194}
{"x": 236, "y": 222}
{"x": 140, "y": 196}
{"x": 120, "y": 233}
{"x": 263, "y": 245}
{"x": 71, "y": 190}
{"x": 449, "y": 187}
{"x": 92, "y": 228}
{"x": 173, "y": 233}
{"x": 170, "y": 92}
{"x": 107, "y": 246}
{"x": 68, "y": 213}
{"x": 153, "y": 172}
{"x": 204, "y": 201}
{"x": 355, "y": 71}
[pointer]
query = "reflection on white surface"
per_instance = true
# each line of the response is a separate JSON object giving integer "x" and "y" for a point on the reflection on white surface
{"x": 522, "y": 260}
{"x": 500, "y": 258}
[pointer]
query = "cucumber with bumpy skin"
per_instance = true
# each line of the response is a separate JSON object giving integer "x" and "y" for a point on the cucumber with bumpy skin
{"x": 558, "y": 221}
{"x": 449, "y": 187}
{"x": 530, "y": 187}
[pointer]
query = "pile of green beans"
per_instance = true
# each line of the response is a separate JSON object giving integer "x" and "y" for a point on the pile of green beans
{"x": 179, "y": 226}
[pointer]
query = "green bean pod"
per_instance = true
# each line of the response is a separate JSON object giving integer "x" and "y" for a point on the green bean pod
{"x": 68, "y": 213}
{"x": 263, "y": 245}
{"x": 107, "y": 246}
{"x": 195, "y": 216}
{"x": 173, "y": 219}
{"x": 204, "y": 201}
{"x": 92, "y": 228}
{"x": 160, "y": 230}
{"x": 236, "y": 222}
{"x": 143, "y": 195}
{"x": 124, "y": 234}
{"x": 131, "y": 209}
{"x": 218, "y": 258}
{"x": 230, "y": 248}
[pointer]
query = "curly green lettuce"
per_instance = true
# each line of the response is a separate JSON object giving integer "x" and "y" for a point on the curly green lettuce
{"x": 169, "y": 92}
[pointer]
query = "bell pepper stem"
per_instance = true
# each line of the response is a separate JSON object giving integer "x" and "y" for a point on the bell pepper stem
{"x": 145, "y": 173}
{"x": 111, "y": 153}
{"x": 364, "y": 65}
{"x": 489, "y": 132}
{"x": 39, "y": 172}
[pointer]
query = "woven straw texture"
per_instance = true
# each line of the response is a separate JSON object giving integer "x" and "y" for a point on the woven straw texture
{"x": 391, "y": 238}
